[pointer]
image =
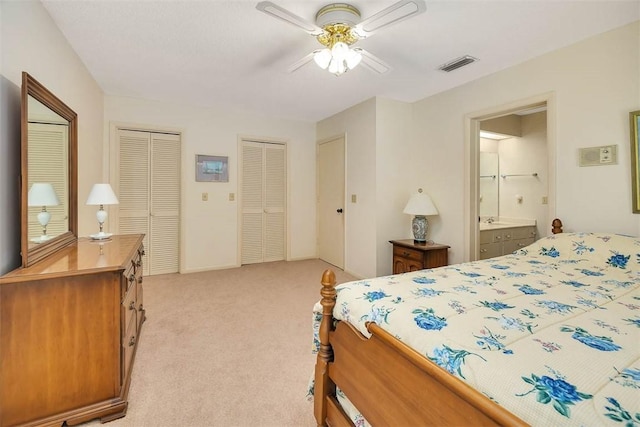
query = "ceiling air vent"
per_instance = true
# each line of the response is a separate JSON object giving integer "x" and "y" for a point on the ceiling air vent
{"x": 457, "y": 63}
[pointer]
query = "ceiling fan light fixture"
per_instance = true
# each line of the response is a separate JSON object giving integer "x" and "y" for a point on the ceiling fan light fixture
{"x": 340, "y": 51}
{"x": 337, "y": 67}
{"x": 353, "y": 58}
{"x": 322, "y": 57}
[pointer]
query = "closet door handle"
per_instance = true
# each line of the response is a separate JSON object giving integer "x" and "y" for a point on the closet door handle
{"x": 339, "y": 210}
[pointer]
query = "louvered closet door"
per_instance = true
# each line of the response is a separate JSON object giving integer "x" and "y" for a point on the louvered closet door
{"x": 263, "y": 202}
{"x": 48, "y": 163}
{"x": 165, "y": 203}
{"x": 149, "y": 195}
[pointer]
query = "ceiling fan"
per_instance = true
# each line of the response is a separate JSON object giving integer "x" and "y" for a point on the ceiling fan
{"x": 338, "y": 26}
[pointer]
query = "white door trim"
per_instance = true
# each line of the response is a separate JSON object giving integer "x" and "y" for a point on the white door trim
{"x": 472, "y": 161}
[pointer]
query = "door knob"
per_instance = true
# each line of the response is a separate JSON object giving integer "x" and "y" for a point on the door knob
{"x": 339, "y": 210}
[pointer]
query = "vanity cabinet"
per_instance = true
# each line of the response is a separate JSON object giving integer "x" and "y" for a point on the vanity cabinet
{"x": 70, "y": 327}
{"x": 503, "y": 241}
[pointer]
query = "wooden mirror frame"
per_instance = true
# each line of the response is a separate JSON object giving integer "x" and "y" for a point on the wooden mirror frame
{"x": 31, "y": 87}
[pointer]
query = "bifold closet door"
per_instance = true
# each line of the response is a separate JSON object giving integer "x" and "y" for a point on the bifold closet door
{"x": 149, "y": 195}
{"x": 263, "y": 202}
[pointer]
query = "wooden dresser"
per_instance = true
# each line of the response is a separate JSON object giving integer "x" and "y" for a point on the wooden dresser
{"x": 69, "y": 328}
{"x": 411, "y": 256}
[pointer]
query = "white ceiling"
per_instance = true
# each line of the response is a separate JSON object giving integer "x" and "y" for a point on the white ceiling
{"x": 226, "y": 54}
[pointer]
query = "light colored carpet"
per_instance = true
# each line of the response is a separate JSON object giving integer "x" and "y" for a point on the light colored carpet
{"x": 227, "y": 348}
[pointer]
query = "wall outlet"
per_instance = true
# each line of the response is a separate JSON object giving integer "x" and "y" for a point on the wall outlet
{"x": 205, "y": 197}
{"x": 545, "y": 200}
{"x": 232, "y": 197}
{"x": 353, "y": 198}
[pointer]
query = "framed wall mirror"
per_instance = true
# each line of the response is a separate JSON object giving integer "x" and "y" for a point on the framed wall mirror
{"x": 634, "y": 123}
{"x": 489, "y": 191}
{"x": 49, "y": 175}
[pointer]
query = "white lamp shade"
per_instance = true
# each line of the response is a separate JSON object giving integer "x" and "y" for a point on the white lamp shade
{"x": 102, "y": 194}
{"x": 42, "y": 194}
{"x": 420, "y": 204}
{"x": 322, "y": 58}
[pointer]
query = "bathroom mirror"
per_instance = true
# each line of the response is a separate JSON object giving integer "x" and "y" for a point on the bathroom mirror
{"x": 489, "y": 174}
{"x": 48, "y": 172}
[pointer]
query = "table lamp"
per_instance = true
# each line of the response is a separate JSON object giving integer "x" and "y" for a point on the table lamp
{"x": 420, "y": 205}
{"x": 101, "y": 194}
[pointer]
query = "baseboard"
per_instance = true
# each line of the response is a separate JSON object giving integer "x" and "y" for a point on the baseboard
{"x": 201, "y": 270}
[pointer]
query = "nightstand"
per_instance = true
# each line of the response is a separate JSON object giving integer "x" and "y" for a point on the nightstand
{"x": 411, "y": 256}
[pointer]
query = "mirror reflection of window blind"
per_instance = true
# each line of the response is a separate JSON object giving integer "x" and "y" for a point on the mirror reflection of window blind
{"x": 47, "y": 163}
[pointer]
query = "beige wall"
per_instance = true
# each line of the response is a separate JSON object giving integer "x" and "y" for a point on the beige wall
{"x": 378, "y": 134}
{"x": 393, "y": 153}
{"x": 526, "y": 155}
{"x": 358, "y": 124}
{"x": 31, "y": 42}
{"x": 210, "y": 229}
{"x": 595, "y": 84}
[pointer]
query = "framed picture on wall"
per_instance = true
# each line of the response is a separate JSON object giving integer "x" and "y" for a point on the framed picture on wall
{"x": 212, "y": 168}
{"x": 634, "y": 121}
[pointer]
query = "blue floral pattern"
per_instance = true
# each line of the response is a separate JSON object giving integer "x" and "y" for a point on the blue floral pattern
{"x": 542, "y": 317}
{"x": 599, "y": 343}
{"x": 556, "y": 391}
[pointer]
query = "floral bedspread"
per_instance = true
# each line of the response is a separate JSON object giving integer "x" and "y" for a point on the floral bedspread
{"x": 552, "y": 332}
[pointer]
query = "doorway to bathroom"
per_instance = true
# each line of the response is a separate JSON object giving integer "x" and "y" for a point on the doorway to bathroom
{"x": 511, "y": 177}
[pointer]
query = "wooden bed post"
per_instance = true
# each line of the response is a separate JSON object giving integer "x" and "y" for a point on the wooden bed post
{"x": 323, "y": 385}
{"x": 556, "y": 226}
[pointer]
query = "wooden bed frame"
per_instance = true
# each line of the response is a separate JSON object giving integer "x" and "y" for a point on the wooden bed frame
{"x": 390, "y": 383}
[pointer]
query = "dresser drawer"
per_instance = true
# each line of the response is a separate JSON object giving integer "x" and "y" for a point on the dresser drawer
{"x": 129, "y": 345}
{"x": 402, "y": 252}
{"x": 129, "y": 306}
{"x": 129, "y": 276}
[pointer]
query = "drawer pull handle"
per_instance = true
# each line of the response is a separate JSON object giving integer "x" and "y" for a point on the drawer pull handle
{"x": 140, "y": 280}
{"x": 522, "y": 245}
{"x": 132, "y": 341}
{"x": 132, "y": 305}
{"x": 405, "y": 253}
{"x": 140, "y": 309}
{"x": 483, "y": 251}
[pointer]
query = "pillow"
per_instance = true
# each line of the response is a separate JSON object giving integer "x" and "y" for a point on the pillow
{"x": 602, "y": 249}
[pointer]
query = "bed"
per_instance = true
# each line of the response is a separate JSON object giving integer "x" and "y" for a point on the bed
{"x": 549, "y": 335}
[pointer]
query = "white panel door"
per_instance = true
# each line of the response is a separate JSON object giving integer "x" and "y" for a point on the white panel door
{"x": 149, "y": 195}
{"x": 331, "y": 202}
{"x": 263, "y": 207}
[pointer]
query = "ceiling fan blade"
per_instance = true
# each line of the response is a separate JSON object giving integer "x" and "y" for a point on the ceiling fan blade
{"x": 299, "y": 63}
{"x": 397, "y": 12}
{"x": 372, "y": 62}
{"x": 284, "y": 15}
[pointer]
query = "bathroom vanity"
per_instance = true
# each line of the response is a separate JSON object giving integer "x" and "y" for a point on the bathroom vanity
{"x": 503, "y": 237}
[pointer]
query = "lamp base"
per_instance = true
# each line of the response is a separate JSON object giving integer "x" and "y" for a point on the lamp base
{"x": 420, "y": 227}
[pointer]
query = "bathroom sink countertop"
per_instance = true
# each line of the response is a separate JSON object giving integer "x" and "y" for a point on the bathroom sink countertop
{"x": 499, "y": 224}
